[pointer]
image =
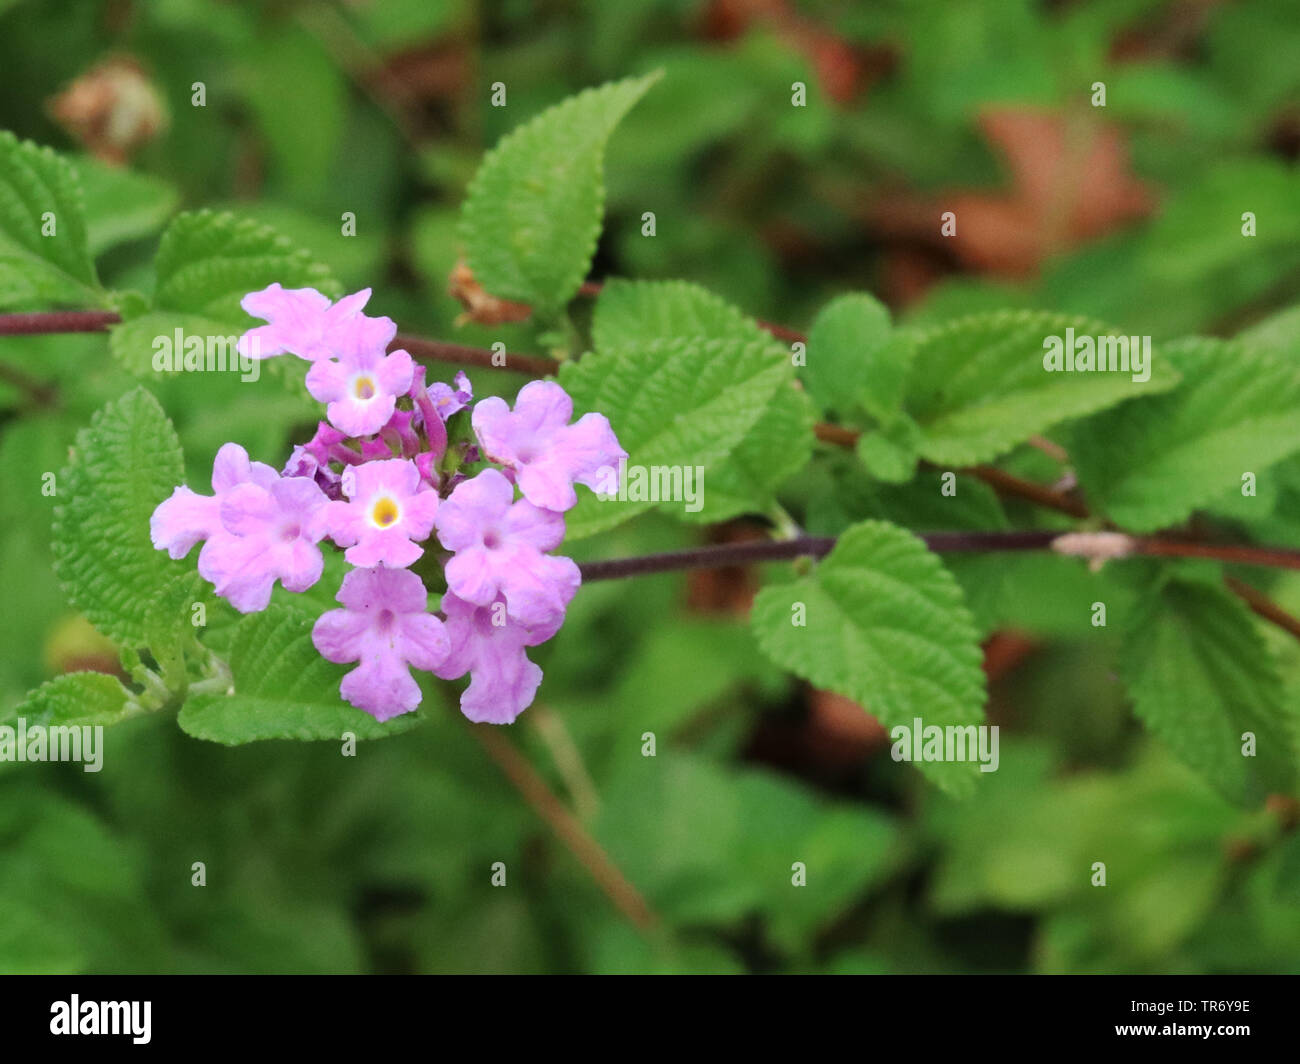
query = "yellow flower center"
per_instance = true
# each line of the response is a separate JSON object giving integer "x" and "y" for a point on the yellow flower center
{"x": 363, "y": 388}
{"x": 384, "y": 513}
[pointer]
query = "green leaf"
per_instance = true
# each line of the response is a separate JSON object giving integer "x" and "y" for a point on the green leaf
{"x": 208, "y": 261}
{"x": 287, "y": 62}
{"x": 124, "y": 465}
{"x": 284, "y": 689}
{"x": 885, "y": 625}
{"x": 780, "y": 442}
{"x": 135, "y": 344}
{"x": 679, "y": 404}
{"x": 736, "y": 860}
{"x": 1287, "y": 884}
{"x": 1279, "y": 332}
{"x": 39, "y": 189}
{"x": 71, "y": 891}
{"x": 1200, "y": 676}
{"x": 533, "y": 211}
{"x": 122, "y": 205}
{"x": 75, "y": 699}
{"x": 855, "y": 357}
{"x": 890, "y": 453}
{"x": 1151, "y": 463}
{"x": 774, "y": 450}
{"x": 636, "y": 311}
{"x": 1199, "y": 232}
{"x": 979, "y": 386}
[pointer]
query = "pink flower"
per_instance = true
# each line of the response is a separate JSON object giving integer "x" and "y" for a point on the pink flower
{"x": 500, "y": 547}
{"x": 185, "y": 518}
{"x": 326, "y": 444}
{"x": 386, "y": 626}
{"x": 447, "y": 400}
{"x": 546, "y": 453}
{"x": 430, "y": 420}
{"x": 267, "y": 534}
{"x": 303, "y": 322}
{"x": 374, "y": 450}
{"x": 361, "y": 389}
{"x": 387, "y": 509}
{"x": 424, "y": 462}
{"x": 487, "y": 644}
{"x": 302, "y": 463}
{"x": 399, "y": 433}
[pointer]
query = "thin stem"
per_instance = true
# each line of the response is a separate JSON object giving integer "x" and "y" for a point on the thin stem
{"x": 1263, "y": 606}
{"x": 540, "y": 366}
{"x": 57, "y": 321}
{"x": 566, "y": 826}
{"x": 803, "y": 547}
{"x": 463, "y": 355}
{"x": 1006, "y": 484}
{"x": 83, "y": 321}
{"x": 1277, "y": 557}
{"x": 724, "y": 554}
{"x": 1000, "y": 480}
{"x": 568, "y": 760}
{"x": 38, "y": 393}
{"x": 71, "y": 321}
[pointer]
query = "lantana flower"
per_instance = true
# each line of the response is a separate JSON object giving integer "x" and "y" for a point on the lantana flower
{"x": 267, "y": 534}
{"x": 489, "y": 646}
{"x": 361, "y": 389}
{"x": 305, "y": 323}
{"x": 501, "y": 549}
{"x": 186, "y": 517}
{"x": 385, "y": 625}
{"x": 387, "y": 514}
{"x": 547, "y": 454}
{"x": 448, "y": 400}
{"x": 377, "y": 480}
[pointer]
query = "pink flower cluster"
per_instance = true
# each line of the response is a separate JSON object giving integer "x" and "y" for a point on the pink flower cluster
{"x": 378, "y": 479}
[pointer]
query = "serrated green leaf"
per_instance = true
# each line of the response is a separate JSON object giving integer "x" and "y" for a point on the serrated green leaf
{"x": 673, "y": 403}
{"x": 284, "y": 689}
{"x": 781, "y": 440}
{"x": 978, "y": 385}
{"x": 774, "y": 450}
{"x": 135, "y": 343}
{"x": 208, "y": 261}
{"x": 75, "y": 699}
{"x": 1151, "y": 463}
{"x": 885, "y": 625}
{"x": 638, "y": 311}
{"x": 533, "y": 212}
{"x": 39, "y": 189}
{"x": 855, "y": 357}
{"x": 123, "y": 466}
{"x": 1200, "y": 677}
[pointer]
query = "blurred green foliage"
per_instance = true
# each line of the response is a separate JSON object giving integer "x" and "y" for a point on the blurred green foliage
{"x": 383, "y": 861}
